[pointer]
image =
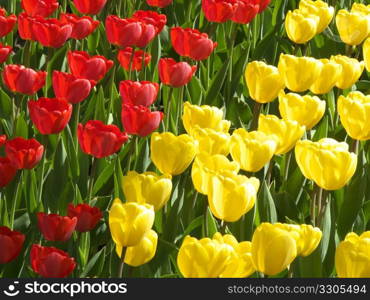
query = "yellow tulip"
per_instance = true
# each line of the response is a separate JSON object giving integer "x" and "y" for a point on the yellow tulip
{"x": 353, "y": 27}
{"x": 319, "y": 9}
{"x": 252, "y": 150}
{"x": 299, "y": 73}
{"x": 264, "y": 81}
{"x": 301, "y": 27}
{"x": 306, "y": 110}
{"x": 330, "y": 73}
{"x": 273, "y": 249}
{"x": 129, "y": 222}
{"x": 354, "y": 113}
{"x": 361, "y": 8}
{"x": 211, "y": 141}
{"x": 204, "y": 116}
{"x": 205, "y": 166}
{"x": 241, "y": 265}
{"x": 147, "y": 188}
{"x": 351, "y": 70}
{"x": 366, "y": 51}
{"x": 205, "y": 258}
{"x": 352, "y": 256}
{"x": 327, "y": 162}
{"x": 286, "y": 132}
{"x": 141, "y": 253}
{"x": 172, "y": 154}
{"x": 230, "y": 196}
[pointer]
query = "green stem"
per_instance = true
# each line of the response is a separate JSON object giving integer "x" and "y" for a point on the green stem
{"x": 41, "y": 186}
{"x": 26, "y": 53}
{"x": 48, "y": 69}
{"x": 131, "y": 62}
{"x": 15, "y": 200}
{"x": 205, "y": 219}
{"x": 256, "y": 113}
{"x": 223, "y": 227}
{"x": 94, "y": 163}
{"x": 168, "y": 109}
{"x": 122, "y": 264}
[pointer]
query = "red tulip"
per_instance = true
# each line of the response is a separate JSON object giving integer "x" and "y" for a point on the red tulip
{"x": 151, "y": 17}
{"x": 89, "y": 7}
{"x": 138, "y": 92}
{"x": 159, "y": 3}
{"x": 7, "y": 173}
{"x": 263, "y": 5}
{"x": 124, "y": 57}
{"x": 100, "y": 140}
{"x": 192, "y": 43}
{"x": 83, "y": 65}
{"x": 24, "y": 154}
{"x": 174, "y": 73}
{"x": 3, "y": 139}
{"x": 139, "y": 120}
{"x": 43, "y": 8}
{"x": 82, "y": 26}
{"x": 4, "y": 52}
{"x": 56, "y": 228}
{"x": 23, "y": 80}
{"x": 218, "y": 11}
{"x": 51, "y": 32}
{"x": 69, "y": 87}
{"x": 11, "y": 243}
{"x": 50, "y": 115}
{"x": 6, "y": 22}
{"x": 245, "y": 11}
{"x": 25, "y": 26}
{"x": 51, "y": 262}
{"x": 87, "y": 216}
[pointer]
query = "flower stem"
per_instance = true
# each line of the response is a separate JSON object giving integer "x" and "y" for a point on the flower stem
{"x": 94, "y": 162}
{"x": 256, "y": 113}
{"x": 168, "y": 109}
{"x": 122, "y": 264}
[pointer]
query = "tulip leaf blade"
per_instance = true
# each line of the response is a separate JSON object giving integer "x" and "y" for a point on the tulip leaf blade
{"x": 266, "y": 205}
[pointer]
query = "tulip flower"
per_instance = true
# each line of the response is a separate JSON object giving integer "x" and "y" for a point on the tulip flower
{"x": 89, "y": 7}
{"x": 151, "y": 17}
{"x": 51, "y": 32}
{"x": 172, "y": 154}
{"x": 81, "y": 26}
{"x": 286, "y": 132}
{"x": 25, "y": 27}
{"x": 83, "y": 65}
{"x": 148, "y": 188}
{"x": 175, "y": 74}
{"x": 56, "y": 228}
{"x": 264, "y": 81}
{"x": 138, "y": 92}
{"x": 11, "y": 243}
{"x": 86, "y": 215}
{"x": 100, "y": 140}
{"x": 3, "y": 139}
{"x": 301, "y": 27}
{"x": 263, "y": 5}
{"x": 352, "y": 256}
{"x": 333, "y": 164}
{"x": 360, "y": 8}
{"x": 138, "y": 63}
{"x": 306, "y": 110}
{"x": 6, "y": 22}
{"x": 366, "y": 52}
{"x": 159, "y": 3}
{"x": 329, "y": 75}
{"x": 50, "y": 262}
{"x": 50, "y": 115}
{"x": 319, "y": 9}
{"x": 204, "y": 116}
{"x": 252, "y": 150}
{"x": 139, "y": 120}
{"x": 218, "y": 11}
{"x": 23, "y": 80}
{"x": 273, "y": 249}
{"x": 192, "y": 43}
{"x": 211, "y": 141}
{"x": 7, "y": 171}
{"x": 24, "y": 154}
{"x": 141, "y": 253}
{"x": 299, "y": 73}
{"x": 42, "y": 8}
{"x": 245, "y": 11}
{"x": 130, "y": 222}
{"x": 351, "y": 71}
{"x": 353, "y": 27}
{"x": 71, "y": 88}
{"x": 205, "y": 258}
{"x": 206, "y": 166}
{"x": 4, "y": 52}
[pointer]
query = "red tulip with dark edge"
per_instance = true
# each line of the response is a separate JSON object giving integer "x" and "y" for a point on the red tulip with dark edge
{"x": 51, "y": 32}
{"x": 11, "y": 243}
{"x": 138, "y": 92}
{"x": 56, "y": 228}
{"x": 81, "y": 26}
{"x": 43, "y": 8}
{"x": 6, "y": 22}
{"x": 124, "y": 57}
{"x": 89, "y": 7}
{"x": 175, "y": 74}
{"x": 4, "y": 52}
{"x": 7, "y": 171}
{"x": 87, "y": 216}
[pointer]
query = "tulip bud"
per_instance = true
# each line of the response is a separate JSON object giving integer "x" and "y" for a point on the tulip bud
{"x": 301, "y": 27}
{"x": 159, "y": 3}
{"x": 138, "y": 92}
{"x": 11, "y": 243}
{"x": 87, "y": 216}
{"x": 361, "y": 8}
{"x": 218, "y": 11}
{"x": 89, "y": 7}
{"x": 366, "y": 52}
{"x": 245, "y": 11}
{"x": 56, "y": 228}
{"x": 81, "y": 26}
{"x": 319, "y": 9}
{"x": 330, "y": 73}
{"x": 351, "y": 70}
{"x": 6, "y": 22}
{"x": 211, "y": 141}
{"x": 353, "y": 27}
{"x": 140, "y": 59}
{"x": 327, "y": 162}
{"x": 4, "y": 52}
{"x": 7, "y": 171}
{"x": 175, "y": 74}
{"x": 51, "y": 32}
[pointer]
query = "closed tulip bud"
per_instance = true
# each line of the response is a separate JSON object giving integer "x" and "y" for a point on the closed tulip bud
{"x": 366, "y": 52}
{"x": 218, "y": 11}
{"x": 351, "y": 71}
{"x": 89, "y": 7}
{"x": 329, "y": 75}
{"x": 301, "y": 27}
{"x": 141, "y": 253}
{"x": 245, "y": 11}
{"x": 205, "y": 258}
{"x": 6, "y": 22}
{"x": 130, "y": 222}
{"x": 273, "y": 249}
{"x": 56, "y": 228}
{"x": 299, "y": 73}
{"x": 320, "y": 9}
{"x": 4, "y": 52}
{"x": 138, "y": 92}
{"x": 354, "y": 113}
{"x": 327, "y": 162}
{"x": 148, "y": 188}
{"x": 352, "y": 256}
{"x": 175, "y": 74}
{"x": 264, "y": 81}
{"x": 205, "y": 166}
{"x": 51, "y": 32}
{"x": 204, "y": 116}
{"x": 211, "y": 141}
{"x": 81, "y": 26}
{"x": 286, "y": 132}
{"x": 7, "y": 171}
{"x": 252, "y": 150}
{"x": 172, "y": 154}
{"x": 87, "y": 216}
{"x": 159, "y": 3}
{"x": 151, "y": 17}
{"x": 25, "y": 26}
{"x": 140, "y": 61}
{"x": 43, "y": 8}
{"x": 306, "y": 110}
{"x": 353, "y": 27}
{"x": 11, "y": 243}
{"x": 231, "y": 196}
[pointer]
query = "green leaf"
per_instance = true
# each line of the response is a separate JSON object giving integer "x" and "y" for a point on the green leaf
{"x": 266, "y": 205}
{"x": 217, "y": 83}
